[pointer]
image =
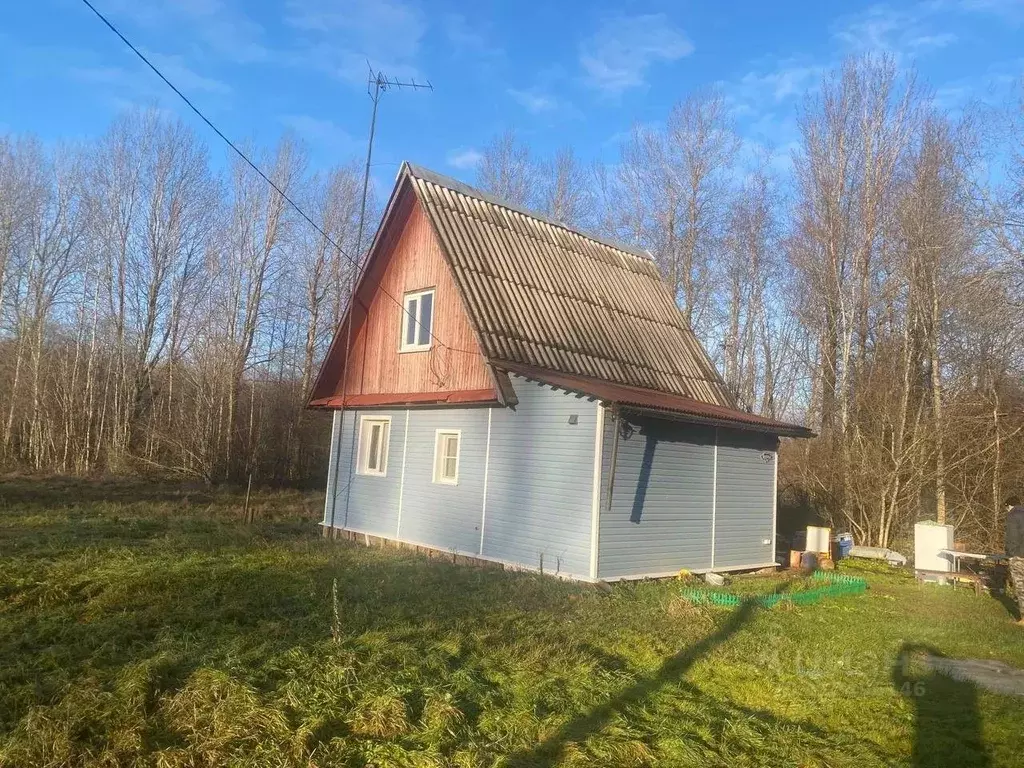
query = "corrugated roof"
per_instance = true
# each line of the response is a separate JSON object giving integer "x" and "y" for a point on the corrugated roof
{"x": 546, "y": 296}
{"x": 661, "y": 403}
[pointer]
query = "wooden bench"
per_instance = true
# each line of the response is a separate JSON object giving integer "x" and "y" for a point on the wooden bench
{"x": 955, "y": 576}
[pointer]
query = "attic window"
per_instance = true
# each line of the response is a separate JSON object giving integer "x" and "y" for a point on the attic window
{"x": 417, "y": 320}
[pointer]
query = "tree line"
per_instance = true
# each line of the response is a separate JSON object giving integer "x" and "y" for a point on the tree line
{"x": 157, "y": 314}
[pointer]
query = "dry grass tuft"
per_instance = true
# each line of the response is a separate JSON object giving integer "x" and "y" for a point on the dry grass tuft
{"x": 380, "y": 716}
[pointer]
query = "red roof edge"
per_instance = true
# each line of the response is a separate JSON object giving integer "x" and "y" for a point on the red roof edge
{"x": 660, "y": 403}
{"x": 406, "y": 398}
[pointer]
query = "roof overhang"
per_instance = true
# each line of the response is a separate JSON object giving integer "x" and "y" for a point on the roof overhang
{"x": 659, "y": 404}
{"x": 403, "y": 399}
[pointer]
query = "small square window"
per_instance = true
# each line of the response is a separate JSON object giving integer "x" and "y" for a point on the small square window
{"x": 446, "y": 456}
{"x": 417, "y": 320}
{"x": 374, "y": 432}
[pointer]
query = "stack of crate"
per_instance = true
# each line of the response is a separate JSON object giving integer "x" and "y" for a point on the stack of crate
{"x": 816, "y": 551}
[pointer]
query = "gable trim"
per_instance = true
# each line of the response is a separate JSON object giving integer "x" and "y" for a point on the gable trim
{"x": 406, "y": 398}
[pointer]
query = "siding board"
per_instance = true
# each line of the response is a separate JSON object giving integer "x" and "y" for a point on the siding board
{"x": 540, "y": 481}
{"x": 411, "y": 260}
{"x": 745, "y": 509}
{"x": 665, "y": 488}
{"x": 660, "y": 516}
{"x": 368, "y": 503}
{"x": 540, "y": 475}
{"x": 445, "y": 516}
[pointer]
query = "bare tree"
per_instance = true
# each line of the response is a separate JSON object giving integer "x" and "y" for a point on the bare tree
{"x": 674, "y": 189}
{"x": 326, "y": 270}
{"x": 259, "y": 222}
{"x": 566, "y": 189}
{"x": 748, "y": 267}
{"x": 507, "y": 170}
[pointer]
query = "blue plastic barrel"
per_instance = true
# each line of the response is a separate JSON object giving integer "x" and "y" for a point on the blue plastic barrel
{"x": 845, "y": 544}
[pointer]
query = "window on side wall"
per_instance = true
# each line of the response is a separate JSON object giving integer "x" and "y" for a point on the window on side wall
{"x": 446, "y": 456}
{"x": 417, "y": 320}
{"x": 374, "y": 432}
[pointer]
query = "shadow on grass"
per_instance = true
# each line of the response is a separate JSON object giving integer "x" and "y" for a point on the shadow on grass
{"x": 1000, "y": 590}
{"x": 947, "y": 724}
{"x": 550, "y": 751}
{"x": 1011, "y": 606}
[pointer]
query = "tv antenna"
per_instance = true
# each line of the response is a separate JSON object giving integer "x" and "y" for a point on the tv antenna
{"x": 377, "y": 84}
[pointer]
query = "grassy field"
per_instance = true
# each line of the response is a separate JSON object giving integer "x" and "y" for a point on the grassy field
{"x": 144, "y": 624}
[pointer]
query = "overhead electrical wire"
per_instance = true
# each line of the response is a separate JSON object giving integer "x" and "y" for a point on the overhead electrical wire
{"x": 234, "y": 147}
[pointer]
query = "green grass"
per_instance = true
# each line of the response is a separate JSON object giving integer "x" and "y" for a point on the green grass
{"x": 144, "y": 624}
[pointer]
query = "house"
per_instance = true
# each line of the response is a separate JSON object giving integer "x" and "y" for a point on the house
{"x": 509, "y": 389}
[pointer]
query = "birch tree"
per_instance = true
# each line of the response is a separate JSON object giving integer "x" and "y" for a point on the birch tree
{"x": 507, "y": 170}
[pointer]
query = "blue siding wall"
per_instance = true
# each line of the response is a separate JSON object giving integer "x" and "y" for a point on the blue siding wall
{"x": 372, "y": 503}
{"x": 531, "y": 501}
{"x": 541, "y": 479}
{"x": 665, "y": 496}
{"x": 660, "y": 516}
{"x": 436, "y": 515}
{"x": 745, "y": 503}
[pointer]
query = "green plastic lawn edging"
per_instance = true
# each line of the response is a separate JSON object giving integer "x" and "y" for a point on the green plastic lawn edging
{"x": 832, "y": 585}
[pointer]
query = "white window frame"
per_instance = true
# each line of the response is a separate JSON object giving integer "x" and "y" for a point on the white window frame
{"x": 417, "y": 319}
{"x": 366, "y": 423}
{"x": 439, "y": 435}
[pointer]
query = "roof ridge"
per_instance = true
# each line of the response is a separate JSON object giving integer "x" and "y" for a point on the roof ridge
{"x": 462, "y": 188}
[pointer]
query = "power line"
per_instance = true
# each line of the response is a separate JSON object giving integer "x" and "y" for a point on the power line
{"x": 276, "y": 188}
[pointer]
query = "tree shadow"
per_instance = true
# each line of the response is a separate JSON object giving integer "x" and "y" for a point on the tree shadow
{"x": 1011, "y": 606}
{"x": 1000, "y": 582}
{"x": 947, "y": 723}
{"x": 551, "y": 750}
{"x": 644, "y": 480}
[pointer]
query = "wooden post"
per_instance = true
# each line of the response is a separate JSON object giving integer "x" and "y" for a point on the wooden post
{"x": 617, "y": 424}
{"x": 245, "y": 511}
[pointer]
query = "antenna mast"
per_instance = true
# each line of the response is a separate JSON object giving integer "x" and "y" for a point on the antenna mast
{"x": 377, "y": 83}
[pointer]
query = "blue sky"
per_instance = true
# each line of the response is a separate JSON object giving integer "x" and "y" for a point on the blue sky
{"x": 578, "y": 73}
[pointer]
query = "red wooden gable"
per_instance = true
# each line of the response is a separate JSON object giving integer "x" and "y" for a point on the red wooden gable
{"x": 406, "y": 257}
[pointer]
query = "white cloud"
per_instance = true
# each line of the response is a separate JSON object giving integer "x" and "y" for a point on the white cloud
{"x": 764, "y": 102}
{"x": 995, "y": 87}
{"x": 618, "y": 56}
{"x": 342, "y": 37}
{"x": 938, "y": 40}
{"x": 465, "y": 37}
{"x": 222, "y": 27}
{"x": 183, "y": 76}
{"x": 1009, "y": 10}
{"x": 464, "y": 159}
{"x": 788, "y": 79}
{"x": 533, "y": 100}
{"x": 325, "y": 134}
{"x": 909, "y": 31}
{"x": 141, "y": 85}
